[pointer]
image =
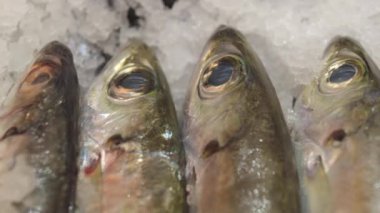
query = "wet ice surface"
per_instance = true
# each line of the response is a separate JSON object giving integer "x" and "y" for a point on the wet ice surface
{"x": 289, "y": 36}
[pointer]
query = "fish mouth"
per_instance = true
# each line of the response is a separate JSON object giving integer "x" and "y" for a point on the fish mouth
{"x": 12, "y": 132}
{"x": 110, "y": 152}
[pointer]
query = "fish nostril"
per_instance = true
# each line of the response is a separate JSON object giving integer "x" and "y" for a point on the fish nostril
{"x": 336, "y": 137}
{"x": 210, "y": 148}
{"x": 11, "y": 131}
{"x": 116, "y": 140}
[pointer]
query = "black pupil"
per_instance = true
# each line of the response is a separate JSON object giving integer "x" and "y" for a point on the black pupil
{"x": 139, "y": 81}
{"x": 343, "y": 73}
{"x": 41, "y": 78}
{"x": 221, "y": 73}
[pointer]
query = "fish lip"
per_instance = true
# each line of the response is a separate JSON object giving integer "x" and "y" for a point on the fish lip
{"x": 12, "y": 132}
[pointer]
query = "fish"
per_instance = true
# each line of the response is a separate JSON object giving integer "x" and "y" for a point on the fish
{"x": 39, "y": 136}
{"x": 239, "y": 153}
{"x": 337, "y": 128}
{"x": 132, "y": 157}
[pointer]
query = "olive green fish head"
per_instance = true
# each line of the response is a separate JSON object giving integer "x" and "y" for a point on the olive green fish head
{"x": 129, "y": 108}
{"x": 48, "y": 83}
{"x": 230, "y": 84}
{"x": 337, "y": 113}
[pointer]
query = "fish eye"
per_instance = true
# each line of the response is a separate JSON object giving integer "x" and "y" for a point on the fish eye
{"x": 40, "y": 75}
{"x": 131, "y": 84}
{"x": 342, "y": 74}
{"x": 220, "y": 73}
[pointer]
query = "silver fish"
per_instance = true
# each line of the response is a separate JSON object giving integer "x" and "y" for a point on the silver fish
{"x": 239, "y": 153}
{"x": 39, "y": 136}
{"x": 339, "y": 124}
{"x": 132, "y": 152}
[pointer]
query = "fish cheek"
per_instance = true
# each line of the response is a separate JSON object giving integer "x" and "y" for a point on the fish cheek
{"x": 10, "y": 148}
{"x": 226, "y": 129}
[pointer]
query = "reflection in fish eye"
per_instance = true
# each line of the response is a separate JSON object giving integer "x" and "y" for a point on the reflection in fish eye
{"x": 138, "y": 81}
{"x": 131, "y": 84}
{"x": 221, "y": 73}
{"x": 42, "y": 77}
{"x": 342, "y": 74}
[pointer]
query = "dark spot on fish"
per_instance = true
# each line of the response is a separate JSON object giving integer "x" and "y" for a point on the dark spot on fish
{"x": 42, "y": 77}
{"x": 169, "y": 3}
{"x": 111, "y": 4}
{"x": 294, "y": 100}
{"x": 210, "y": 148}
{"x": 137, "y": 81}
{"x": 221, "y": 73}
{"x": 106, "y": 57}
{"x": 194, "y": 175}
{"x": 133, "y": 18}
{"x": 116, "y": 139}
{"x": 342, "y": 73}
{"x": 11, "y": 132}
{"x": 338, "y": 135}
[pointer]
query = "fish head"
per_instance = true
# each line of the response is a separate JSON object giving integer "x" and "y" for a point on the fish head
{"x": 228, "y": 87}
{"x": 339, "y": 101}
{"x": 337, "y": 113}
{"x": 123, "y": 108}
{"x": 36, "y": 97}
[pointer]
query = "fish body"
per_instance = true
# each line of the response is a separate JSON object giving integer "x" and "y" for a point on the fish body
{"x": 239, "y": 154}
{"x": 132, "y": 157}
{"x": 338, "y": 117}
{"x": 39, "y": 136}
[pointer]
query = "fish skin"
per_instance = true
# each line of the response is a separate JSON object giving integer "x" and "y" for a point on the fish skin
{"x": 133, "y": 158}
{"x": 341, "y": 122}
{"x": 239, "y": 153}
{"x": 39, "y": 130}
